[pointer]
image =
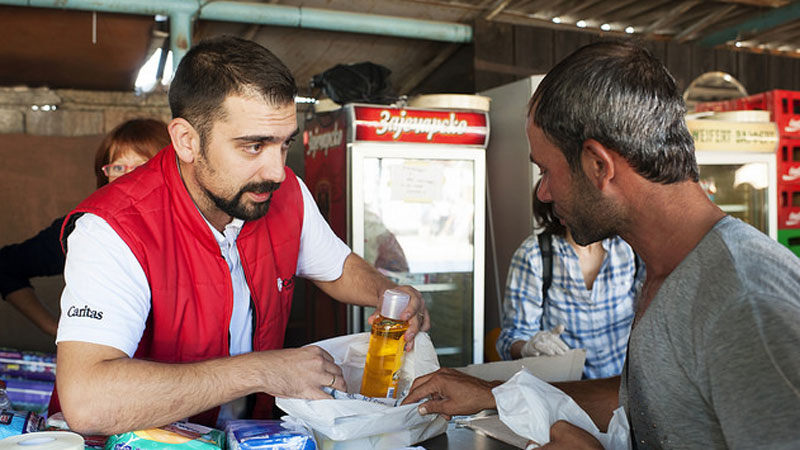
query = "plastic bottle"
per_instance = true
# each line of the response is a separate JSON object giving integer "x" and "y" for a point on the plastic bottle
{"x": 386, "y": 344}
{"x": 5, "y": 403}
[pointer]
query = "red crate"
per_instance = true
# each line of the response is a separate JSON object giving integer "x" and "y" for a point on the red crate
{"x": 712, "y": 106}
{"x": 788, "y": 206}
{"x": 784, "y": 108}
{"x": 752, "y": 102}
{"x": 788, "y": 157}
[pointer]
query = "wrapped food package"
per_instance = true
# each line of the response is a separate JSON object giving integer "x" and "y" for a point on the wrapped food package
{"x": 175, "y": 436}
{"x": 268, "y": 435}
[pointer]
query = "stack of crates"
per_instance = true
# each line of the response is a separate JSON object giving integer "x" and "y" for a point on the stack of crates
{"x": 784, "y": 110}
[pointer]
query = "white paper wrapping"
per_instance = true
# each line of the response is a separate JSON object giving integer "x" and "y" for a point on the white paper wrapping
{"x": 530, "y": 406}
{"x": 356, "y": 424}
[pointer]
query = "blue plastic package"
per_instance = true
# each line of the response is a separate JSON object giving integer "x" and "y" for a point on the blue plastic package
{"x": 29, "y": 395}
{"x": 268, "y": 435}
{"x": 13, "y": 422}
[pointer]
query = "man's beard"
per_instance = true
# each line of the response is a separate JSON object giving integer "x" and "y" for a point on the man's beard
{"x": 592, "y": 219}
{"x": 234, "y": 207}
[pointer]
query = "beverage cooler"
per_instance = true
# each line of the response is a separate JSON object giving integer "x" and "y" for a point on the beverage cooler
{"x": 405, "y": 188}
{"x": 736, "y": 156}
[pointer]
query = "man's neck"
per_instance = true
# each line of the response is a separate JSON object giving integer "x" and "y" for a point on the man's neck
{"x": 667, "y": 223}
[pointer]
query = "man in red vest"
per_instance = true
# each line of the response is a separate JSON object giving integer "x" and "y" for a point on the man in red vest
{"x": 179, "y": 276}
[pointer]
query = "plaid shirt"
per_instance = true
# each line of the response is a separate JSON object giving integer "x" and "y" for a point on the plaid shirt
{"x": 598, "y": 320}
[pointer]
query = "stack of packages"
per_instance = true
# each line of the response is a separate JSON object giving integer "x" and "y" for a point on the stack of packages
{"x": 29, "y": 378}
{"x": 239, "y": 435}
{"x": 26, "y": 381}
{"x": 13, "y": 422}
{"x": 784, "y": 110}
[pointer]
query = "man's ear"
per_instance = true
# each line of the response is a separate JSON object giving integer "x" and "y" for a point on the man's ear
{"x": 598, "y": 163}
{"x": 185, "y": 139}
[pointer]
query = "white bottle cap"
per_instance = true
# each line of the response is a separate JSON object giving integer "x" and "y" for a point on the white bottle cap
{"x": 394, "y": 303}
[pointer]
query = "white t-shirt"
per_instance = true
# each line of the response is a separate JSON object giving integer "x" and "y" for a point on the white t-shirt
{"x": 106, "y": 300}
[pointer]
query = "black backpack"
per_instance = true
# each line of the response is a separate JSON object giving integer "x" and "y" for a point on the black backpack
{"x": 360, "y": 82}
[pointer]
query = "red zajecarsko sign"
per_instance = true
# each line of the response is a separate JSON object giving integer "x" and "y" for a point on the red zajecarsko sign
{"x": 387, "y": 124}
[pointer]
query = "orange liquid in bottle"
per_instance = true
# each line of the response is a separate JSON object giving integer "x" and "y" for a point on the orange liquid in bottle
{"x": 384, "y": 358}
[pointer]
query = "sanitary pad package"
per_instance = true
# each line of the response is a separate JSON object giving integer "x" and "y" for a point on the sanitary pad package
{"x": 175, "y": 436}
{"x": 268, "y": 435}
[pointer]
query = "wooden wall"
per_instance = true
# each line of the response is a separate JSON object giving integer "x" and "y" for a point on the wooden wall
{"x": 505, "y": 52}
{"x": 43, "y": 177}
{"x": 502, "y": 53}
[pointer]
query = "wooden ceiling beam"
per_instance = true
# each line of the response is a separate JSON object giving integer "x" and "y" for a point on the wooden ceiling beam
{"x": 692, "y": 30}
{"x": 418, "y": 76}
{"x": 674, "y": 14}
{"x": 555, "y": 8}
{"x": 774, "y": 34}
{"x": 773, "y": 41}
{"x": 497, "y": 9}
{"x": 633, "y": 13}
{"x": 523, "y": 5}
{"x": 579, "y": 7}
{"x": 606, "y": 10}
{"x": 759, "y": 3}
{"x": 755, "y": 25}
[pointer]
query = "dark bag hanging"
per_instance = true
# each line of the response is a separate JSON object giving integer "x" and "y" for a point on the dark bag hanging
{"x": 361, "y": 82}
{"x": 546, "y": 247}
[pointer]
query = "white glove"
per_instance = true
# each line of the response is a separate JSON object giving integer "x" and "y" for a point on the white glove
{"x": 545, "y": 343}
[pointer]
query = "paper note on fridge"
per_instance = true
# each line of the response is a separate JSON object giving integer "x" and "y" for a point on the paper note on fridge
{"x": 566, "y": 367}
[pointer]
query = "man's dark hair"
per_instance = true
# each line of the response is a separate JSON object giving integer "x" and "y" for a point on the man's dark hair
{"x": 218, "y": 67}
{"x": 619, "y": 94}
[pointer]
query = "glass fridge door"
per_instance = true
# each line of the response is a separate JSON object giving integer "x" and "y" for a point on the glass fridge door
{"x": 414, "y": 218}
{"x": 743, "y": 185}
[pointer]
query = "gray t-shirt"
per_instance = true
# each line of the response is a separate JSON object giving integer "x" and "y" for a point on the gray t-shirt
{"x": 715, "y": 360}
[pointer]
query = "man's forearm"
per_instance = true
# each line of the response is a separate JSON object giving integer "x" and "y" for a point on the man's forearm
{"x": 125, "y": 394}
{"x": 102, "y": 391}
{"x": 599, "y": 398}
{"x": 360, "y": 283}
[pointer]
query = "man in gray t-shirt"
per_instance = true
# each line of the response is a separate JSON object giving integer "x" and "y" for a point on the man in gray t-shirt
{"x": 714, "y": 353}
{"x": 713, "y": 362}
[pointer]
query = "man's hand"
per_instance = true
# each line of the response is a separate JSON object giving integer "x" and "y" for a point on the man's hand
{"x": 415, "y": 313}
{"x": 566, "y": 436}
{"x": 362, "y": 284}
{"x": 302, "y": 373}
{"x": 451, "y": 393}
{"x": 545, "y": 343}
{"x": 103, "y": 391}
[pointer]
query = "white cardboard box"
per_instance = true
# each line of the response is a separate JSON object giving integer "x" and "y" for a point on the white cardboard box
{"x": 566, "y": 367}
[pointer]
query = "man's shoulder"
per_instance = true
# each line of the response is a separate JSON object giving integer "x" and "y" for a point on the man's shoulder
{"x": 740, "y": 261}
{"x": 749, "y": 248}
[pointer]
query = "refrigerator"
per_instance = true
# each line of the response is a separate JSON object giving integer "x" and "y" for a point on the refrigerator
{"x": 738, "y": 167}
{"x": 405, "y": 188}
{"x": 511, "y": 177}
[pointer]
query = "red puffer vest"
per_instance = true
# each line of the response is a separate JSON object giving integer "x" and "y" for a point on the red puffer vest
{"x": 153, "y": 213}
